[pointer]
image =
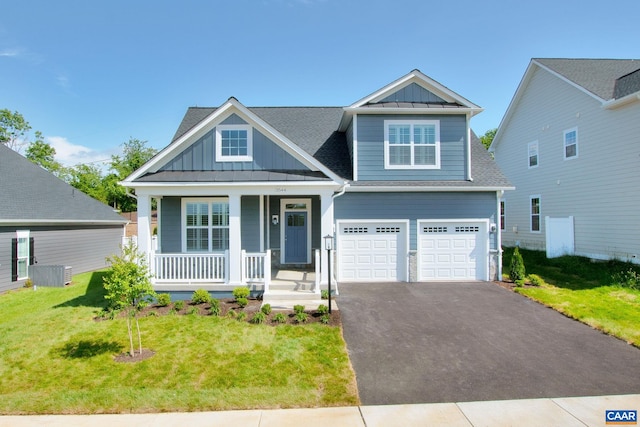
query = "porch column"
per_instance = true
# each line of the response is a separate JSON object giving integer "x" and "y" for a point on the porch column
{"x": 235, "y": 246}
{"x": 144, "y": 227}
{"x": 326, "y": 227}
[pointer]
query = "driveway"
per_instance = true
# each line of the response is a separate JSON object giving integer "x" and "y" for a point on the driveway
{"x": 457, "y": 342}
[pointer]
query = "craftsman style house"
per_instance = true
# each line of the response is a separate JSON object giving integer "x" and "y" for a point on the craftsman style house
{"x": 570, "y": 142}
{"x": 397, "y": 179}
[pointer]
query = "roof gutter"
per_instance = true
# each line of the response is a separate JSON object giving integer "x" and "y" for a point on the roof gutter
{"x": 620, "y": 102}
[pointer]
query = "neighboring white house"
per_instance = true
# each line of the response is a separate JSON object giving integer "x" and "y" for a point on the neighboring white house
{"x": 570, "y": 143}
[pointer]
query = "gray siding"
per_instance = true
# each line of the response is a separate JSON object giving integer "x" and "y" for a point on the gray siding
{"x": 274, "y": 230}
{"x": 598, "y": 188}
{"x": 82, "y": 248}
{"x": 414, "y": 206}
{"x": 370, "y": 136}
{"x": 413, "y": 93}
{"x": 250, "y": 223}
{"x": 200, "y": 156}
{"x": 171, "y": 225}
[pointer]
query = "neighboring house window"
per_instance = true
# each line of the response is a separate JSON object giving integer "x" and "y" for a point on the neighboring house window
{"x": 21, "y": 255}
{"x": 412, "y": 144}
{"x": 533, "y": 154}
{"x": 570, "y": 143}
{"x": 535, "y": 213}
{"x": 502, "y": 218}
{"x": 206, "y": 225}
{"x": 234, "y": 143}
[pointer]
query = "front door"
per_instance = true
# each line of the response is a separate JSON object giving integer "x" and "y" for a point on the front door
{"x": 295, "y": 237}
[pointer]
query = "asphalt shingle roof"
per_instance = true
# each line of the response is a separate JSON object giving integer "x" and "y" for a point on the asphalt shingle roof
{"x": 598, "y": 76}
{"x": 30, "y": 193}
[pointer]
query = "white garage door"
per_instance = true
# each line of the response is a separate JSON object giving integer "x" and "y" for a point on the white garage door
{"x": 372, "y": 251}
{"x": 452, "y": 250}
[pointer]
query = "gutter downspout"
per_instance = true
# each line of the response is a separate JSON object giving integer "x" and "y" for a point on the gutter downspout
{"x": 499, "y": 195}
{"x": 469, "y": 177}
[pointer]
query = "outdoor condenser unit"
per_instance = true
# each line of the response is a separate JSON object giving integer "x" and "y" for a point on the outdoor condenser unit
{"x": 50, "y": 275}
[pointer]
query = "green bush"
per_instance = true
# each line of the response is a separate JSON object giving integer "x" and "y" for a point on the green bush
{"x": 178, "y": 305}
{"x": 164, "y": 300}
{"x": 519, "y": 283}
{"x": 517, "y": 270}
{"x": 279, "y": 318}
{"x": 323, "y": 309}
{"x": 192, "y": 310}
{"x": 324, "y": 294}
{"x": 152, "y": 314}
{"x": 241, "y": 292}
{"x": 201, "y": 296}
{"x": 301, "y": 317}
{"x": 266, "y": 308}
{"x": 325, "y": 319}
{"x": 242, "y": 316}
{"x": 535, "y": 280}
{"x": 298, "y": 308}
{"x": 242, "y": 301}
{"x": 232, "y": 314}
{"x": 259, "y": 318}
{"x": 28, "y": 283}
{"x": 627, "y": 279}
{"x": 215, "y": 307}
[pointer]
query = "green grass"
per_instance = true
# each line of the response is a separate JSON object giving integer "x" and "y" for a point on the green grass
{"x": 55, "y": 358}
{"x": 584, "y": 290}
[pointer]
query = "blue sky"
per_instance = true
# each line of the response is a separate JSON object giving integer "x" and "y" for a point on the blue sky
{"x": 92, "y": 74}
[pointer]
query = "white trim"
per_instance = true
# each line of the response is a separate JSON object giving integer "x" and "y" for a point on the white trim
{"x": 412, "y": 145}
{"x": 62, "y": 221}
{"x": 183, "y": 221}
{"x": 537, "y": 154}
{"x": 22, "y": 234}
{"x": 621, "y": 102}
{"x": 535, "y": 196}
{"x": 283, "y": 210}
{"x": 468, "y": 148}
{"x": 421, "y": 189}
{"x": 355, "y": 147}
{"x": 261, "y": 218}
{"x": 222, "y": 158}
{"x": 484, "y": 230}
{"x": 564, "y": 143}
{"x": 401, "y": 269}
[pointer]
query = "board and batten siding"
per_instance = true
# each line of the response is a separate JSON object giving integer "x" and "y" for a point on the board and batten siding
{"x": 84, "y": 248}
{"x": 413, "y": 93}
{"x": 414, "y": 206}
{"x": 201, "y": 155}
{"x": 370, "y": 136}
{"x": 598, "y": 188}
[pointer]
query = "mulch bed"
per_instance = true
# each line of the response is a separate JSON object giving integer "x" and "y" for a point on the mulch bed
{"x": 138, "y": 357}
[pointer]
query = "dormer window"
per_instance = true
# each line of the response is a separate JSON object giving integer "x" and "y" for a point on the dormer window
{"x": 234, "y": 143}
{"x": 412, "y": 144}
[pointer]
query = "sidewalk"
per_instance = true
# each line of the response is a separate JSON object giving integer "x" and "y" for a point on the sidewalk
{"x": 565, "y": 412}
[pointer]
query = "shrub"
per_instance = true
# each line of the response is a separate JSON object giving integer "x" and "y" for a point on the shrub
{"x": 232, "y": 314}
{"x": 152, "y": 314}
{"x": 163, "y": 300}
{"x": 241, "y": 292}
{"x": 323, "y": 309}
{"x": 301, "y": 317}
{"x": 241, "y": 317}
{"x": 519, "y": 283}
{"x": 279, "y": 318}
{"x": 517, "y": 270}
{"x": 627, "y": 279}
{"x": 200, "y": 296}
{"x": 242, "y": 302}
{"x": 215, "y": 307}
{"x": 192, "y": 310}
{"x": 298, "y": 308}
{"x": 259, "y": 318}
{"x": 535, "y": 280}
{"x": 178, "y": 305}
{"x": 266, "y": 308}
{"x": 324, "y": 294}
{"x": 28, "y": 283}
{"x": 325, "y": 319}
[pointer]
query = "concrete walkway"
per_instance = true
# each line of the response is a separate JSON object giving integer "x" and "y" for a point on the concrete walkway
{"x": 565, "y": 412}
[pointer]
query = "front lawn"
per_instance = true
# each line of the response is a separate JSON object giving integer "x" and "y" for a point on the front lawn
{"x": 584, "y": 290}
{"x": 55, "y": 358}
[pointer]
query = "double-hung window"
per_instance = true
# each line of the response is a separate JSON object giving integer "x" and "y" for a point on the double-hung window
{"x": 22, "y": 255}
{"x": 533, "y": 154}
{"x": 206, "y": 225}
{"x": 535, "y": 213}
{"x": 571, "y": 143}
{"x": 412, "y": 144}
{"x": 234, "y": 143}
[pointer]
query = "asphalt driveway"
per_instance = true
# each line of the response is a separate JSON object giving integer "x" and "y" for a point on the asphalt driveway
{"x": 456, "y": 342}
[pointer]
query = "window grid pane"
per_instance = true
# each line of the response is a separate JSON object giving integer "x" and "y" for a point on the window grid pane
{"x": 535, "y": 214}
{"x": 424, "y": 134}
{"x": 425, "y": 155}
{"x": 399, "y": 155}
{"x": 234, "y": 142}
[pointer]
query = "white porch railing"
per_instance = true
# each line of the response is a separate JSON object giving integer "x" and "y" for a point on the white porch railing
{"x": 191, "y": 268}
{"x": 256, "y": 268}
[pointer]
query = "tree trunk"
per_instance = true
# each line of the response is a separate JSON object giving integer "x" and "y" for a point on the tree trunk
{"x": 130, "y": 330}
{"x": 139, "y": 335}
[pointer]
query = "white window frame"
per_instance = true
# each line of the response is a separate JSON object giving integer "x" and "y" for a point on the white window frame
{"x": 23, "y": 235}
{"x": 539, "y": 214}
{"x": 412, "y": 145}
{"x": 210, "y": 227}
{"x": 533, "y": 146}
{"x": 564, "y": 143}
{"x": 244, "y": 158}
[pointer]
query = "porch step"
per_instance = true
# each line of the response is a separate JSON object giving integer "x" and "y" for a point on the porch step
{"x": 293, "y": 287}
{"x": 288, "y": 294}
{"x": 309, "y": 304}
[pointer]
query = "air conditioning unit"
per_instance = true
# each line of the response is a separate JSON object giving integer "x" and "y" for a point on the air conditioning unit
{"x": 50, "y": 275}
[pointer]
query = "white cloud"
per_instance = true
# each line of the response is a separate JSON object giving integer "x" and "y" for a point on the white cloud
{"x": 10, "y": 52}
{"x": 70, "y": 154}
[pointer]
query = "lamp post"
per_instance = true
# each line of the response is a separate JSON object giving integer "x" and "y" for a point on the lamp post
{"x": 328, "y": 243}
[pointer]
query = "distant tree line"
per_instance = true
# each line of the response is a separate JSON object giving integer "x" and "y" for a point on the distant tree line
{"x": 88, "y": 178}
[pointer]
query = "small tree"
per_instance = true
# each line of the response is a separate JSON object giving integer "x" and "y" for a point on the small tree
{"x": 128, "y": 286}
{"x": 517, "y": 270}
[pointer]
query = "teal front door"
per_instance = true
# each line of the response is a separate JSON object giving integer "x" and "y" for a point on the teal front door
{"x": 295, "y": 237}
